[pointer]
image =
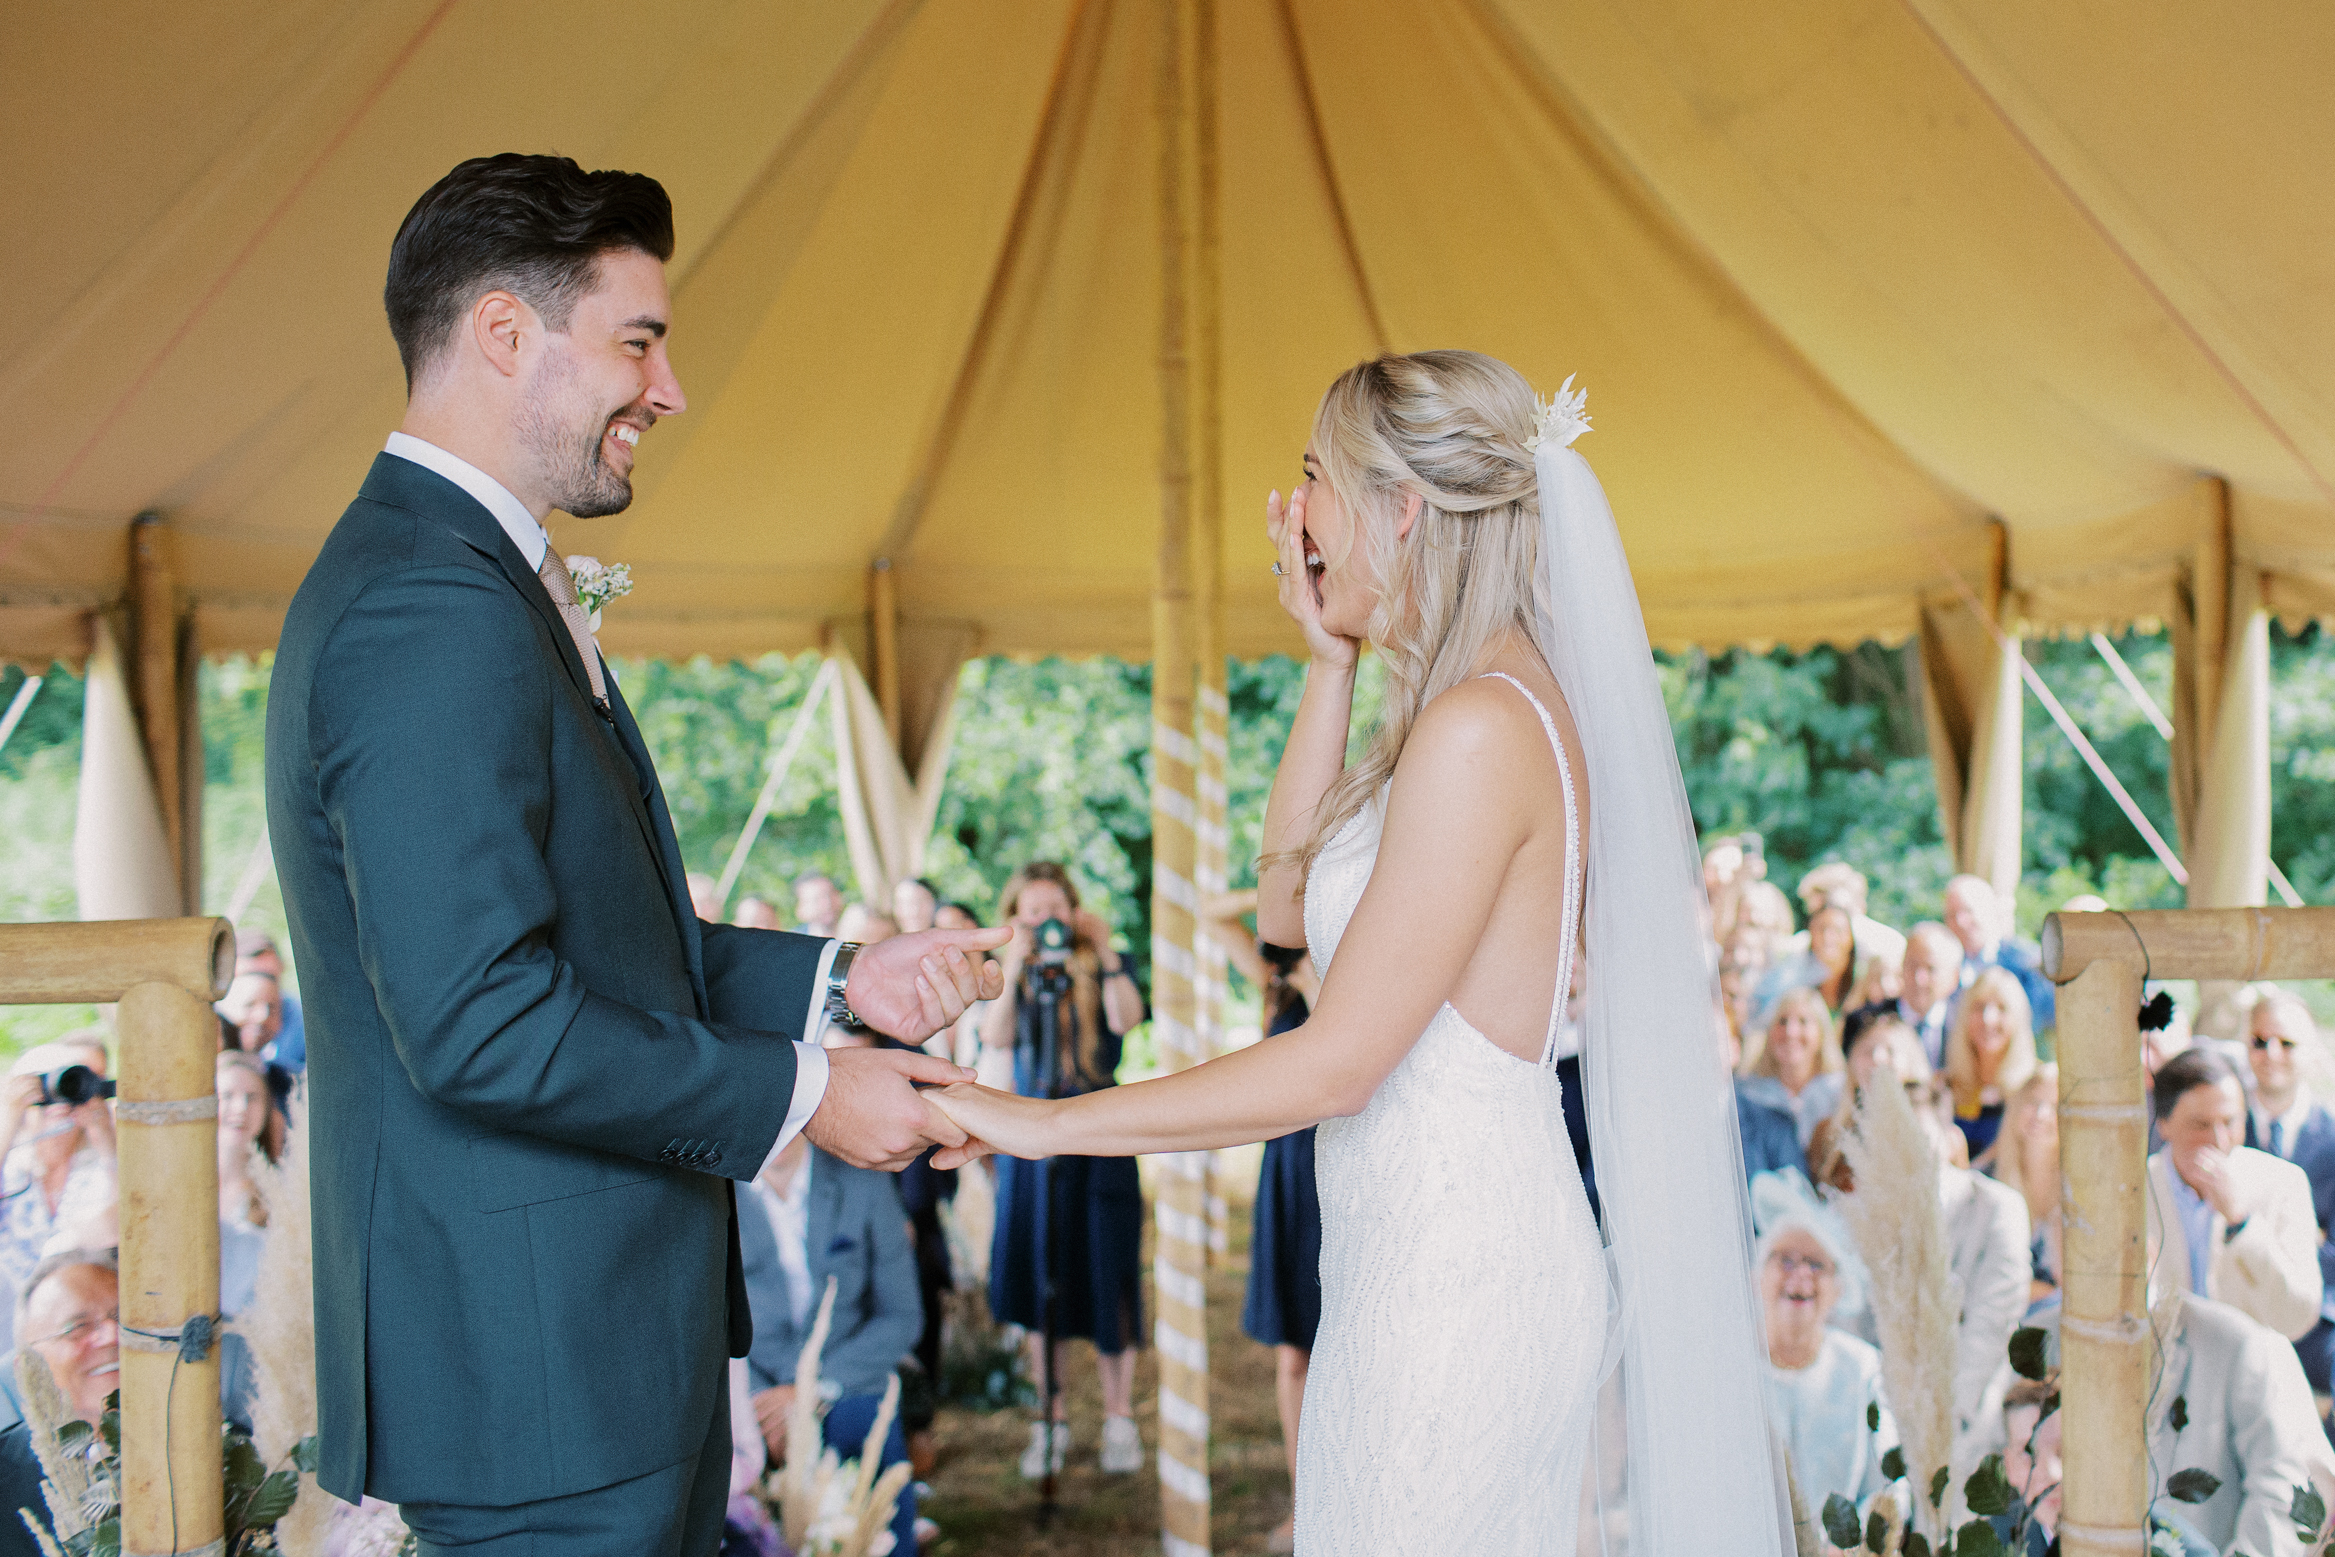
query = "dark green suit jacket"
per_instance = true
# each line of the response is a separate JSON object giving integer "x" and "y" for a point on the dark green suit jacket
{"x": 532, "y": 1071}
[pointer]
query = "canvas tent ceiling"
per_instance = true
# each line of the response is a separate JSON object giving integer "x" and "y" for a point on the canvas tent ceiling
{"x": 1844, "y": 280}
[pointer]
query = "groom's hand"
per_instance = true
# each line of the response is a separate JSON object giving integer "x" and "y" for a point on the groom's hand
{"x": 912, "y": 986}
{"x": 872, "y": 1118}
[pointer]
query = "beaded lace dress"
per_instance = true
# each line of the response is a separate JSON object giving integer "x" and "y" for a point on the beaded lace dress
{"x": 1449, "y": 1402}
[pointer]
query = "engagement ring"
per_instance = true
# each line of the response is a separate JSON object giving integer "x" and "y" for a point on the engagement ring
{"x": 1277, "y": 570}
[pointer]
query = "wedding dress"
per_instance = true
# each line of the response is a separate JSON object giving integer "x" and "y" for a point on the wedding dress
{"x": 1464, "y": 1301}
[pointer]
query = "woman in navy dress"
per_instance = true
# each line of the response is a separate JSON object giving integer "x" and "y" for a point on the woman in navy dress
{"x": 1284, "y": 1303}
{"x": 1094, "y": 1204}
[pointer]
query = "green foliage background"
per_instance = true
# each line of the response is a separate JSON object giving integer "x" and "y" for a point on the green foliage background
{"x": 1823, "y": 753}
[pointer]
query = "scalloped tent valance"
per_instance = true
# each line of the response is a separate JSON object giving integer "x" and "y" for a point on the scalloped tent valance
{"x": 1845, "y": 283}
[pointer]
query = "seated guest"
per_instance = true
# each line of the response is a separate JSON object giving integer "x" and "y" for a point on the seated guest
{"x": 955, "y": 916}
{"x": 1990, "y": 1054}
{"x": 2031, "y": 1465}
{"x": 1875, "y": 1040}
{"x": 1763, "y": 909}
{"x": 1769, "y": 1138}
{"x": 255, "y": 952}
{"x": 1837, "y": 881}
{"x": 69, "y": 1316}
{"x": 1742, "y": 964}
{"x": 755, "y": 914}
{"x": 2246, "y": 1418}
{"x": 818, "y": 904}
{"x": 1727, "y": 869}
{"x": 914, "y": 903}
{"x": 2027, "y": 1160}
{"x": 249, "y": 1128}
{"x": 1827, "y": 965}
{"x": 1929, "y": 979}
{"x": 1989, "y": 1245}
{"x": 1879, "y": 982}
{"x": 254, "y": 1007}
{"x": 1982, "y": 922}
{"x": 1796, "y": 1065}
{"x": 59, "y": 1159}
{"x": 864, "y": 926}
{"x": 806, "y": 1218}
{"x": 2236, "y": 1224}
{"x": 2287, "y": 1121}
{"x": 1826, "y": 1385}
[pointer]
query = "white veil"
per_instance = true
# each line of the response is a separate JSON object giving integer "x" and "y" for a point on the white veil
{"x": 1702, "y": 1473}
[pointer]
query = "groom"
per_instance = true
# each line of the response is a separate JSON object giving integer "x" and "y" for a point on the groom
{"x": 535, "y": 1073}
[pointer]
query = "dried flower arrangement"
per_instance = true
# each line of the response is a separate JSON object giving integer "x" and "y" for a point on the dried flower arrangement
{"x": 828, "y": 1506}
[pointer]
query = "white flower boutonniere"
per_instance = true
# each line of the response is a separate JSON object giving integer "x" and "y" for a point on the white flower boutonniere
{"x": 597, "y": 585}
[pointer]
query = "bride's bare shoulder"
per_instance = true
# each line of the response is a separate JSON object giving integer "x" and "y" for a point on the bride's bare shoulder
{"x": 1480, "y": 728}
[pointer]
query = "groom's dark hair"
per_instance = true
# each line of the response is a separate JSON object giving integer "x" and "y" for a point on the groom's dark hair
{"x": 531, "y": 226}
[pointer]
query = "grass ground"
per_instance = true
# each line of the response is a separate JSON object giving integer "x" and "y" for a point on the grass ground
{"x": 985, "y": 1509}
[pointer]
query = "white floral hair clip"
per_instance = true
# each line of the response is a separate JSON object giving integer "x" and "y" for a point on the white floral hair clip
{"x": 1564, "y": 418}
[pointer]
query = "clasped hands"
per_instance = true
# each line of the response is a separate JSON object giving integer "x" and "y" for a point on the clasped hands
{"x": 910, "y": 987}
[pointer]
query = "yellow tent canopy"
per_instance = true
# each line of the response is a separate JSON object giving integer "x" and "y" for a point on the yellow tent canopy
{"x": 1846, "y": 282}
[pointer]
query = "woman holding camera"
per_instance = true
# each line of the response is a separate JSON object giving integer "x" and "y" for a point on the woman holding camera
{"x": 1060, "y": 965}
{"x": 59, "y": 1156}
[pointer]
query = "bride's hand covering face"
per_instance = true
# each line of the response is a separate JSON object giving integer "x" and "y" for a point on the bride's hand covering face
{"x": 1306, "y": 532}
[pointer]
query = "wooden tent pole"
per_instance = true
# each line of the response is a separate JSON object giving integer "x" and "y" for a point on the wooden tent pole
{"x": 1179, "y": 1261}
{"x": 884, "y": 643}
{"x": 154, "y": 677}
{"x": 2103, "y": 1151}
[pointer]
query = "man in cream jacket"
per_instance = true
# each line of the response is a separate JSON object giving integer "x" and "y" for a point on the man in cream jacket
{"x": 2230, "y": 1223}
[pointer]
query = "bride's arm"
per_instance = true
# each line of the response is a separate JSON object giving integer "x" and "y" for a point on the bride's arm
{"x": 1316, "y": 752}
{"x": 1439, "y": 870}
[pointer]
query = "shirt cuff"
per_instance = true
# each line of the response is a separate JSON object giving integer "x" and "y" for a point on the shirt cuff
{"x": 815, "y": 1020}
{"x": 810, "y": 1091}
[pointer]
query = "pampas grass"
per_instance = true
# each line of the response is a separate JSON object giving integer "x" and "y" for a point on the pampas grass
{"x": 79, "y": 1492}
{"x": 1899, "y": 1225}
{"x": 828, "y": 1508}
{"x": 280, "y": 1327}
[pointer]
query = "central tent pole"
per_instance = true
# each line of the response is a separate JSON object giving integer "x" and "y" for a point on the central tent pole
{"x": 1179, "y": 1259}
{"x": 1208, "y": 567}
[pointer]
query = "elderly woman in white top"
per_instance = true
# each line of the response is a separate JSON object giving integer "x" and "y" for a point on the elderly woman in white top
{"x": 1796, "y": 1067}
{"x": 1826, "y": 1394}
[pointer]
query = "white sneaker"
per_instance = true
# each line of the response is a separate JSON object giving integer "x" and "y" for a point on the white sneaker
{"x": 1122, "y": 1446}
{"x": 1035, "y": 1456}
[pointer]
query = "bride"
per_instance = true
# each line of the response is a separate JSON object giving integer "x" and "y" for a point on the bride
{"x": 1524, "y": 755}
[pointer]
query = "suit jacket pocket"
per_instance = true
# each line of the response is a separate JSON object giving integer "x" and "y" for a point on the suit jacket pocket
{"x": 511, "y": 1170}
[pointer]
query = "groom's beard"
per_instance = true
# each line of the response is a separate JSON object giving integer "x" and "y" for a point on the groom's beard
{"x": 567, "y": 450}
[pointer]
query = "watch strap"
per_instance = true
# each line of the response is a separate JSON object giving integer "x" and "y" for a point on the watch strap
{"x": 838, "y": 987}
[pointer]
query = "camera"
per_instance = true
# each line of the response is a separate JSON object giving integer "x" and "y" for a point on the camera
{"x": 74, "y": 1085}
{"x": 1053, "y": 938}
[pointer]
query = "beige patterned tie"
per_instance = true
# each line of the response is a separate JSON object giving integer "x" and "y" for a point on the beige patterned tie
{"x": 562, "y": 586}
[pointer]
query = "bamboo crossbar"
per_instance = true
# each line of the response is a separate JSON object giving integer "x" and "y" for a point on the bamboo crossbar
{"x": 2194, "y": 943}
{"x": 96, "y": 962}
{"x": 164, "y": 973}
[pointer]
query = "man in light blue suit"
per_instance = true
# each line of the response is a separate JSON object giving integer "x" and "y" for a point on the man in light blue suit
{"x": 807, "y": 1219}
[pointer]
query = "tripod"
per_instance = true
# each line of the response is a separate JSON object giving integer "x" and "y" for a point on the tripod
{"x": 1047, "y": 989}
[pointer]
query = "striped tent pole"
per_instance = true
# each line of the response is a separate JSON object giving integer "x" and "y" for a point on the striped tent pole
{"x": 1209, "y": 866}
{"x": 1179, "y": 1257}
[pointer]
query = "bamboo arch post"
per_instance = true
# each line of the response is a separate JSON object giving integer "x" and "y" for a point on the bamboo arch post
{"x": 2101, "y": 961}
{"x": 165, "y": 973}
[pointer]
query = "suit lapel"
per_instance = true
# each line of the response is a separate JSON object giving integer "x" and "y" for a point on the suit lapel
{"x": 825, "y": 1218}
{"x": 402, "y": 484}
{"x": 657, "y": 822}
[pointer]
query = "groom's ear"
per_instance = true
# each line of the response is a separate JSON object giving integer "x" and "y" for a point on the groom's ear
{"x": 1413, "y": 506}
{"x": 502, "y": 329}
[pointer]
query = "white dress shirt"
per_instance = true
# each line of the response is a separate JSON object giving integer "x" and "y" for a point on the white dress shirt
{"x": 790, "y": 1224}
{"x": 533, "y": 541}
{"x": 2290, "y": 1125}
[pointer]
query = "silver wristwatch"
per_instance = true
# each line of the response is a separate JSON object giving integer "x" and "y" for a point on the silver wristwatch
{"x": 839, "y": 1009}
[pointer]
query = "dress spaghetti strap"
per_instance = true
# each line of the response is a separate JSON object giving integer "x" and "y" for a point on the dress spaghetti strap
{"x": 1569, "y": 922}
